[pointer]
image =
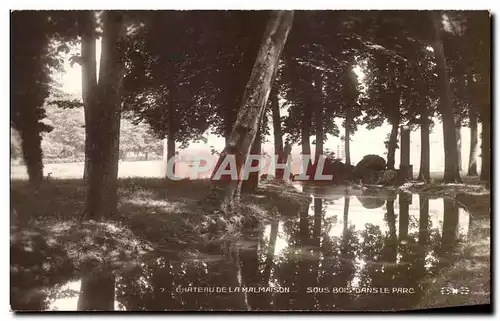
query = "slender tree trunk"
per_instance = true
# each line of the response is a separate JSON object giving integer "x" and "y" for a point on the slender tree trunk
{"x": 347, "y": 139}
{"x": 279, "y": 149}
{"x": 87, "y": 26}
{"x": 485, "y": 146}
{"x": 318, "y": 121}
{"x": 171, "y": 130}
{"x": 305, "y": 139}
{"x": 451, "y": 172}
{"x": 393, "y": 143}
{"x": 250, "y": 185}
{"x": 97, "y": 292}
{"x": 255, "y": 98}
{"x": 278, "y": 136}
{"x": 31, "y": 146}
{"x": 104, "y": 132}
{"x": 406, "y": 170}
{"x": 424, "y": 172}
{"x": 472, "y": 169}
{"x": 458, "y": 134}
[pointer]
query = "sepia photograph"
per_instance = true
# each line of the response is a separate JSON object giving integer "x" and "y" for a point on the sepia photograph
{"x": 250, "y": 160}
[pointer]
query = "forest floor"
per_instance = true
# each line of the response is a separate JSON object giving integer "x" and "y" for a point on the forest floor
{"x": 50, "y": 243}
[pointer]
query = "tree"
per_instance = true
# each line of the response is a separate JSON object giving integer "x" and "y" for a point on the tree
{"x": 101, "y": 198}
{"x": 255, "y": 99}
{"x": 87, "y": 31}
{"x": 451, "y": 172}
{"x": 351, "y": 108}
{"x": 33, "y": 59}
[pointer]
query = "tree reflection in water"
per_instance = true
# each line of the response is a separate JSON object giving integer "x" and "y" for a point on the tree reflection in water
{"x": 339, "y": 244}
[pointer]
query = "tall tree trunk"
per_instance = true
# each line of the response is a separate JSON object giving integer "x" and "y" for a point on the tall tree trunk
{"x": 485, "y": 146}
{"x": 406, "y": 170}
{"x": 250, "y": 185}
{"x": 305, "y": 134}
{"x": 104, "y": 132}
{"x": 458, "y": 134}
{"x": 347, "y": 139}
{"x": 250, "y": 24}
{"x": 472, "y": 168}
{"x": 451, "y": 172}
{"x": 318, "y": 121}
{"x": 97, "y": 291}
{"x": 255, "y": 98}
{"x": 278, "y": 136}
{"x": 424, "y": 174}
{"x": 392, "y": 145}
{"x": 171, "y": 130}
{"x": 87, "y": 26}
{"x": 31, "y": 146}
{"x": 279, "y": 149}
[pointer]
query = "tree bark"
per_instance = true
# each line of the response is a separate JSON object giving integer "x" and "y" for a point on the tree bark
{"x": 347, "y": 139}
{"x": 318, "y": 121}
{"x": 305, "y": 143}
{"x": 458, "y": 134}
{"x": 424, "y": 174}
{"x": 278, "y": 136}
{"x": 255, "y": 98}
{"x": 97, "y": 292}
{"x": 31, "y": 146}
{"x": 485, "y": 146}
{"x": 393, "y": 143}
{"x": 171, "y": 127}
{"x": 472, "y": 168}
{"x": 87, "y": 26}
{"x": 250, "y": 185}
{"x": 105, "y": 130}
{"x": 451, "y": 172}
{"x": 404, "y": 166}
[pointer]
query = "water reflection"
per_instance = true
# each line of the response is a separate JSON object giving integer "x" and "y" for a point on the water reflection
{"x": 343, "y": 253}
